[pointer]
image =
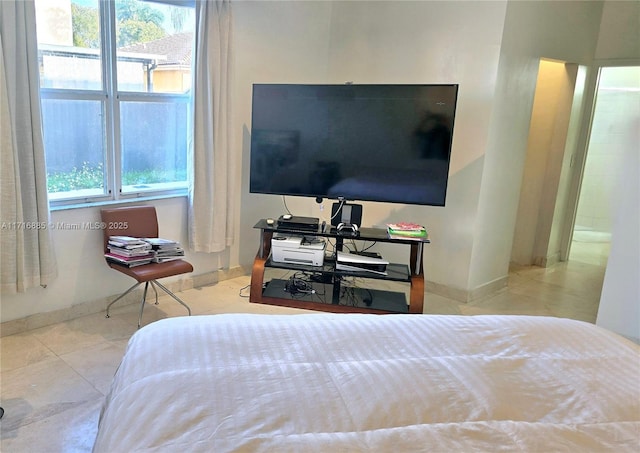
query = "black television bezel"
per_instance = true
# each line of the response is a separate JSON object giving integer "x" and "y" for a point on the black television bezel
{"x": 320, "y": 197}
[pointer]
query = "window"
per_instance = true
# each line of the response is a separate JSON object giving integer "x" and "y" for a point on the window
{"x": 115, "y": 82}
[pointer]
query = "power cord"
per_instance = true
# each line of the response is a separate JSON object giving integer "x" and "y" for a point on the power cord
{"x": 353, "y": 295}
{"x": 284, "y": 202}
{"x": 244, "y": 289}
{"x": 338, "y": 211}
{"x": 296, "y": 286}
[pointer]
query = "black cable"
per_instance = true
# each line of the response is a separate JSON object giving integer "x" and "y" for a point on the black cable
{"x": 332, "y": 250}
{"x": 349, "y": 293}
{"x": 298, "y": 284}
{"x": 242, "y": 289}
{"x": 367, "y": 248}
{"x": 302, "y": 284}
{"x": 351, "y": 247}
{"x": 350, "y": 297}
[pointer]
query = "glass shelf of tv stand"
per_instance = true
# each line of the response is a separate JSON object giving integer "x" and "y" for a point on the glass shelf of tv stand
{"x": 336, "y": 291}
{"x": 364, "y": 234}
{"x": 395, "y": 272}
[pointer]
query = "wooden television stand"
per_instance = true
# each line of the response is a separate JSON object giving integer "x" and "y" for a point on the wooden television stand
{"x": 330, "y": 294}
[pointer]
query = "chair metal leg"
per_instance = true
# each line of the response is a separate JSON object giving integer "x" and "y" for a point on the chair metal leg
{"x": 144, "y": 299}
{"x": 155, "y": 291}
{"x": 121, "y": 296}
{"x": 156, "y": 282}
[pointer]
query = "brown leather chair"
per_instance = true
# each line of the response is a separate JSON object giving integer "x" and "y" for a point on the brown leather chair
{"x": 140, "y": 222}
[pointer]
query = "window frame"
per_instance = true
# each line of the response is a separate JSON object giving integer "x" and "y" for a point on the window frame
{"x": 110, "y": 99}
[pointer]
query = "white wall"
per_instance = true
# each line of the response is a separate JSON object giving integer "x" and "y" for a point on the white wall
{"x": 619, "y": 37}
{"x": 384, "y": 42}
{"x": 430, "y": 42}
{"x": 83, "y": 275}
{"x": 619, "y": 308}
{"x": 565, "y": 31}
{"x": 275, "y": 42}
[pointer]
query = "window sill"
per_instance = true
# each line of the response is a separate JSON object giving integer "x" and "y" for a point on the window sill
{"x": 122, "y": 201}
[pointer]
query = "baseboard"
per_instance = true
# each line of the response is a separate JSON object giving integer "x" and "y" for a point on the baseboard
{"x": 634, "y": 339}
{"x": 449, "y": 292}
{"x": 39, "y": 320}
{"x": 465, "y": 296}
{"x": 488, "y": 288}
{"x": 546, "y": 261}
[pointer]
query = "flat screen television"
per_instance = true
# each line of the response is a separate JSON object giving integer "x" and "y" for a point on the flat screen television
{"x": 386, "y": 143}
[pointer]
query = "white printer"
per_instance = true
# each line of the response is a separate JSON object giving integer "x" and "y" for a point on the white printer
{"x": 296, "y": 249}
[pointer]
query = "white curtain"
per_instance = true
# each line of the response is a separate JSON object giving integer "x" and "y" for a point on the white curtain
{"x": 26, "y": 250}
{"x": 211, "y": 191}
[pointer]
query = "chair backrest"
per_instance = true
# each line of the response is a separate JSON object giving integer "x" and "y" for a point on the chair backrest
{"x": 135, "y": 221}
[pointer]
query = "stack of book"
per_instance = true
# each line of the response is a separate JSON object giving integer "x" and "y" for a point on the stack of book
{"x": 128, "y": 251}
{"x": 164, "y": 249}
{"x": 406, "y": 230}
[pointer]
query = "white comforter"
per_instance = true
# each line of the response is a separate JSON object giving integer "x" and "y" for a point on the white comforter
{"x": 383, "y": 383}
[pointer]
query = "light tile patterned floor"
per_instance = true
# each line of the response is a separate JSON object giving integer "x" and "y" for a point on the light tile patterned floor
{"x": 54, "y": 379}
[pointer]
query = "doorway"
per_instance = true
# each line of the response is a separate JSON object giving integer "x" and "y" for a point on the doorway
{"x": 617, "y": 106}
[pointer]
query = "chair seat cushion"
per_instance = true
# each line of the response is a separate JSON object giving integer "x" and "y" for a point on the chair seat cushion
{"x": 154, "y": 271}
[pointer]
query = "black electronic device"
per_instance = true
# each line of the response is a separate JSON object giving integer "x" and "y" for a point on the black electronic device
{"x": 345, "y": 213}
{"x": 386, "y": 143}
{"x": 348, "y": 229}
{"x": 356, "y": 262}
{"x": 289, "y": 222}
{"x": 375, "y": 255}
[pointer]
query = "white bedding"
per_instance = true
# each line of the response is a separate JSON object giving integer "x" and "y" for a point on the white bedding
{"x": 383, "y": 383}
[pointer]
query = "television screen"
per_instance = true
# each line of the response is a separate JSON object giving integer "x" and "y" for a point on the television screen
{"x": 388, "y": 143}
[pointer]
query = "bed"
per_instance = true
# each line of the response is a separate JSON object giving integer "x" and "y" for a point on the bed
{"x": 364, "y": 382}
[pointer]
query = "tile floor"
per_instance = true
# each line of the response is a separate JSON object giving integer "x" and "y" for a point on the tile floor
{"x": 54, "y": 379}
